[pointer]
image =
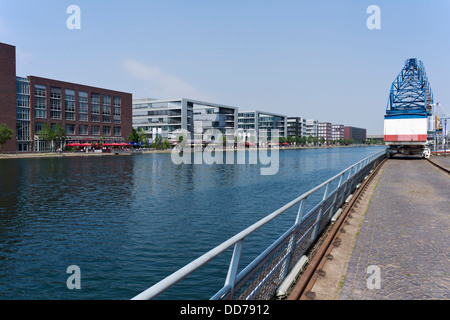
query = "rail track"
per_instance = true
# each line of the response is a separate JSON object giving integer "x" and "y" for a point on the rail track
{"x": 439, "y": 166}
{"x": 303, "y": 288}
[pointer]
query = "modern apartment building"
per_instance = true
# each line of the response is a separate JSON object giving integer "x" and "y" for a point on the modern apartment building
{"x": 337, "y": 132}
{"x": 310, "y": 128}
{"x": 87, "y": 114}
{"x": 295, "y": 126}
{"x": 167, "y": 116}
{"x": 263, "y": 123}
{"x": 357, "y": 134}
{"x": 216, "y": 116}
{"x": 324, "y": 131}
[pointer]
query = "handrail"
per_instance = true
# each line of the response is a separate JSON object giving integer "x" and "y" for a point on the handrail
{"x": 238, "y": 239}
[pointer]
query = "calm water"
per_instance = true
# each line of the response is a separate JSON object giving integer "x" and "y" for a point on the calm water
{"x": 129, "y": 221}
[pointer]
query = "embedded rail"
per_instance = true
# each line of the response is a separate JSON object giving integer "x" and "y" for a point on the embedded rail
{"x": 302, "y": 289}
{"x": 439, "y": 166}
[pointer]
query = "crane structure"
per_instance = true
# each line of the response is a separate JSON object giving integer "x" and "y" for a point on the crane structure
{"x": 409, "y": 106}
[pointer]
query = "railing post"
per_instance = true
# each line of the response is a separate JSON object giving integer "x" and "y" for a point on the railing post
{"x": 234, "y": 266}
{"x": 325, "y": 194}
{"x": 340, "y": 181}
{"x": 300, "y": 212}
{"x": 320, "y": 214}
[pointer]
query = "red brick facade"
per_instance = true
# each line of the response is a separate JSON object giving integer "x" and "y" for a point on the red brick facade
{"x": 126, "y": 103}
{"x": 92, "y": 127}
{"x": 8, "y": 92}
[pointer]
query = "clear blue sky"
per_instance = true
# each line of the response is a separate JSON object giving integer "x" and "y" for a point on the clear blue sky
{"x": 314, "y": 59}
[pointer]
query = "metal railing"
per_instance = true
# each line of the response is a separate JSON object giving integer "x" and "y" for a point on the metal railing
{"x": 261, "y": 278}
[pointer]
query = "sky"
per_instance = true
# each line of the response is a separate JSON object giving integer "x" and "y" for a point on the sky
{"x": 311, "y": 59}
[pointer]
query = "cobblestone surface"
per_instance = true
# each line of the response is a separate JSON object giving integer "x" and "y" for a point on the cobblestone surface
{"x": 404, "y": 235}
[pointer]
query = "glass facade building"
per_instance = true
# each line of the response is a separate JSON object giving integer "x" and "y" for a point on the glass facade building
{"x": 263, "y": 123}
{"x": 163, "y": 117}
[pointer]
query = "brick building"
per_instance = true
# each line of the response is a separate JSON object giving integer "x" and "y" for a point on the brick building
{"x": 357, "y": 134}
{"x": 88, "y": 114}
{"x": 324, "y": 131}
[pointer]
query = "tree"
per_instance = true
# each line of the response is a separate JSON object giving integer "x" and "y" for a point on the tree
{"x": 142, "y": 137}
{"x": 47, "y": 134}
{"x": 60, "y": 134}
{"x": 166, "y": 144}
{"x": 133, "y": 136}
{"x": 6, "y": 134}
{"x": 315, "y": 140}
{"x": 322, "y": 140}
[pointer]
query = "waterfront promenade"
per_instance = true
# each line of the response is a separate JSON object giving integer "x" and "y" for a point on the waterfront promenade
{"x": 145, "y": 151}
{"x": 396, "y": 245}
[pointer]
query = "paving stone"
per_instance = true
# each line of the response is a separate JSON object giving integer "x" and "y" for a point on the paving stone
{"x": 404, "y": 233}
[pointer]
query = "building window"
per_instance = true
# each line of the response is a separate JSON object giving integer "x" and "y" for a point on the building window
{"x": 70, "y": 104}
{"x": 95, "y": 130}
{"x": 106, "y": 109}
{"x": 82, "y": 106}
{"x": 117, "y": 112}
{"x": 23, "y": 130}
{"x": 117, "y": 131}
{"x": 83, "y": 129}
{"x": 40, "y": 101}
{"x": 38, "y": 127}
{"x": 106, "y": 130}
{"x": 70, "y": 129}
{"x": 95, "y": 103}
{"x": 55, "y": 103}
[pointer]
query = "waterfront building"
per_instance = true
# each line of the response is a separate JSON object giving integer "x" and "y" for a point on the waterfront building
{"x": 310, "y": 128}
{"x": 163, "y": 117}
{"x": 216, "y": 116}
{"x": 357, "y": 134}
{"x": 263, "y": 123}
{"x": 87, "y": 114}
{"x": 324, "y": 131}
{"x": 295, "y": 126}
{"x": 337, "y": 132}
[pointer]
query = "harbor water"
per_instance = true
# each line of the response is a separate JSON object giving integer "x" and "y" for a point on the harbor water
{"x": 129, "y": 221}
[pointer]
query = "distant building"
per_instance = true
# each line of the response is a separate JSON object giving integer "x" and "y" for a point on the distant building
{"x": 357, "y": 134}
{"x": 216, "y": 116}
{"x": 87, "y": 114}
{"x": 263, "y": 123}
{"x": 310, "y": 128}
{"x": 324, "y": 131}
{"x": 164, "y": 117}
{"x": 377, "y": 137}
{"x": 337, "y": 132}
{"x": 295, "y": 126}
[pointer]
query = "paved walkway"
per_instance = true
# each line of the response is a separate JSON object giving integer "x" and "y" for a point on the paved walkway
{"x": 396, "y": 245}
{"x": 403, "y": 247}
